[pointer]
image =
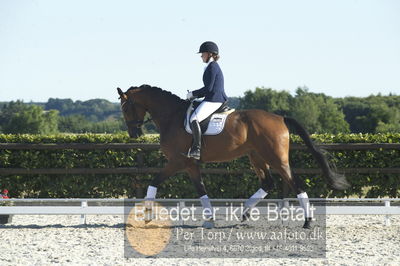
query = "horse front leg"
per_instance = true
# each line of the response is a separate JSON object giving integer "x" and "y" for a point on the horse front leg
{"x": 208, "y": 211}
{"x": 169, "y": 170}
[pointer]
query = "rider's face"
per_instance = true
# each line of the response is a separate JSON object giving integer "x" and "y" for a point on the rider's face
{"x": 205, "y": 57}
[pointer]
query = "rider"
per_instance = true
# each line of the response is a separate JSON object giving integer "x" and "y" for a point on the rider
{"x": 213, "y": 93}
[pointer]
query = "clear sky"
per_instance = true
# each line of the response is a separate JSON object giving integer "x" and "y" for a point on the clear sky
{"x": 85, "y": 49}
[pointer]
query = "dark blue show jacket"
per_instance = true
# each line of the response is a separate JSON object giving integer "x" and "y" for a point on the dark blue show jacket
{"x": 213, "y": 89}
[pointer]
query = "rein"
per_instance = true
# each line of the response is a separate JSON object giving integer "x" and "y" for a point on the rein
{"x": 138, "y": 123}
{"x": 135, "y": 123}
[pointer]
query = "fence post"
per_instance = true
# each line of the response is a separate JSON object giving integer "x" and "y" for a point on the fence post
{"x": 84, "y": 204}
{"x": 181, "y": 207}
{"x": 284, "y": 204}
{"x": 138, "y": 187}
{"x": 387, "y": 217}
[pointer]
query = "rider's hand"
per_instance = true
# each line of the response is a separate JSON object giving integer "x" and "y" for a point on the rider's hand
{"x": 190, "y": 96}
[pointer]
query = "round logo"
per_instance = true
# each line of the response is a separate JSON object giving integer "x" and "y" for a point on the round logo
{"x": 148, "y": 230}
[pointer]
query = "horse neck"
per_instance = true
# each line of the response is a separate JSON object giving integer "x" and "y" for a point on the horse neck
{"x": 163, "y": 111}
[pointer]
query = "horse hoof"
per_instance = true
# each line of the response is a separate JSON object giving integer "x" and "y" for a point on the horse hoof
{"x": 245, "y": 217}
{"x": 147, "y": 219}
{"x": 246, "y": 214}
{"x": 307, "y": 224}
{"x": 208, "y": 224}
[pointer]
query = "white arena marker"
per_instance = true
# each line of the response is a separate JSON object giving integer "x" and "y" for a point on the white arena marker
{"x": 84, "y": 204}
{"x": 181, "y": 206}
{"x": 387, "y": 217}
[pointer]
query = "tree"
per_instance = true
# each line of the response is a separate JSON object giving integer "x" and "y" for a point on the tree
{"x": 267, "y": 99}
{"x": 318, "y": 112}
{"x": 372, "y": 114}
{"x": 73, "y": 124}
{"x": 94, "y": 110}
{"x": 64, "y": 106}
{"x": 393, "y": 123}
{"x": 19, "y": 118}
{"x": 355, "y": 112}
{"x": 79, "y": 124}
{"x": 233, "y": 102}
{"x": 306, "y": 110}
{"x": 332, "y": 119}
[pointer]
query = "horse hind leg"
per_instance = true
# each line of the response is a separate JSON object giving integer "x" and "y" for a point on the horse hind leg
{"x": 297, "y": 185}
{"x": 279, "y": 160}
{"x": 266, "y": 183}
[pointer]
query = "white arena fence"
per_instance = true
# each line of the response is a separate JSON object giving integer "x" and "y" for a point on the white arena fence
{"x": 86, "y": 206}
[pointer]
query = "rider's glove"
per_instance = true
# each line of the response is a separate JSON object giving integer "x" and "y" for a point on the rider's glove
{"x": 190, "y": 96}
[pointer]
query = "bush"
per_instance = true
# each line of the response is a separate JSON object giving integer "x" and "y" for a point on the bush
{"x": 180, "y": 186}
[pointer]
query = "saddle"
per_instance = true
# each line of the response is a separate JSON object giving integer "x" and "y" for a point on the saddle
{"x": 212, "y": 125}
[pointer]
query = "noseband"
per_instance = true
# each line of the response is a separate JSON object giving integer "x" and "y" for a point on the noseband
{"x": 135, "y": 123}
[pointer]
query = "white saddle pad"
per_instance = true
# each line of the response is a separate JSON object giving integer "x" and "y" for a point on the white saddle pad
{"x": 216, "y": 125}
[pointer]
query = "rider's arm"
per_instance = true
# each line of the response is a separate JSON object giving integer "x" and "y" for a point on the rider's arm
{"x": 209, "y": 79}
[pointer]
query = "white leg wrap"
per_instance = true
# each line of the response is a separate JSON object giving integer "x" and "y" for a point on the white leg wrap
{"x": 151, "y": 195}
{"x": 207, "y": 208}
{"x": 255, "y": 199}
{"x": 151, "y": 192}
{"x": 305, "y": 204}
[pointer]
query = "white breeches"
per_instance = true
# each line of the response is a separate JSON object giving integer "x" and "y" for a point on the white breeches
{"x": 204, "y": 110}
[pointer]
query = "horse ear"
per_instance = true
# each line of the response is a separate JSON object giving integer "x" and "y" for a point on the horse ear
{"x": 121, "y": 94}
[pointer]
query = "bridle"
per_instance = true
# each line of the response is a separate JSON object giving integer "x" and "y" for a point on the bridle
{"x": 135, "y": 123}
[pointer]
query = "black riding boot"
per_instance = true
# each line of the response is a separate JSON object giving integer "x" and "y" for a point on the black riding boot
{"x": 196, "y": 146}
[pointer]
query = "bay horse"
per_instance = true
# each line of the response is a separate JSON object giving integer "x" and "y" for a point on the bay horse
{"x": 262, "y": 136}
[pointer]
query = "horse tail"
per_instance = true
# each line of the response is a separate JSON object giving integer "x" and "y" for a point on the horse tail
{"x": 336, "y": 180}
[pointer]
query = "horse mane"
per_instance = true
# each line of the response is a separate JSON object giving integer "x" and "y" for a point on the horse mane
{"x": 163, "y": 94}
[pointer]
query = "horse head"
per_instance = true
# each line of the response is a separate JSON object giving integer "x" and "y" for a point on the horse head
{"x": 133, "y": 113}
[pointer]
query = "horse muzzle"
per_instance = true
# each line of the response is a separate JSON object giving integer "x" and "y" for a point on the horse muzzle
{"x": 135, "y": 132}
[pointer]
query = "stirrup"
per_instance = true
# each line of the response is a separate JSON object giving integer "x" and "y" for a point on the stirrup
{"x": 188, "y": 155}
{"x": 194, "y": 154}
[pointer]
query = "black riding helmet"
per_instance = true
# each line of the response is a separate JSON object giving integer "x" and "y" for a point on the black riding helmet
{"x": 208, "y": 47}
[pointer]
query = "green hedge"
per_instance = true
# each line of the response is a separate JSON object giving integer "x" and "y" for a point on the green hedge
{"x": 180, "y": 186}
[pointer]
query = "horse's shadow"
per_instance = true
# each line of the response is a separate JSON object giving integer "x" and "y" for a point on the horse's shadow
{"x": 185, "y": 226}
{"x": 34, "y": 226}
{"x": 118, "y": 225}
